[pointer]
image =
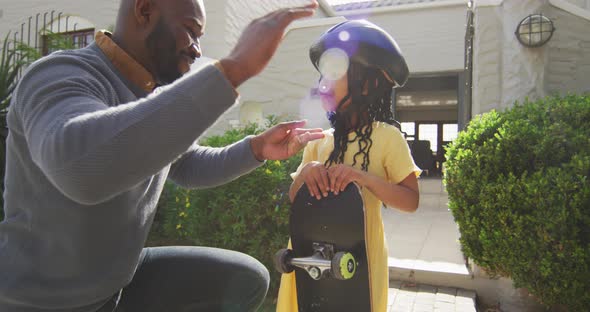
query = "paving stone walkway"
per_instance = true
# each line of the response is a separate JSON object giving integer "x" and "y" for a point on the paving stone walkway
{"x": 408, "y": 297}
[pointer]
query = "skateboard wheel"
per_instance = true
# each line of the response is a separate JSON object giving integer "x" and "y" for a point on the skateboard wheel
{"x": 343, "y": 265}
{"x": 282, "y": 257}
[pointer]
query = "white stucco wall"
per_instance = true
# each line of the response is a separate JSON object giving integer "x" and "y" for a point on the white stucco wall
{"x": 240, "y": 13}
{"x": 505, "y": 71}
{"x": 568, "y": 66}
{"x": 431, "y": 38}
{"x": 585, "y": 4}
{"x": 214, "y": 43}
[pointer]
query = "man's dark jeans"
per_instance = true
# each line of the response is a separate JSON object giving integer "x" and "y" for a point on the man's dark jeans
{"x": 187, "y": 279}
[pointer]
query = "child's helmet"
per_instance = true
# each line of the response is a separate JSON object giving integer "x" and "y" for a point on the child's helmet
{"x": 364, "y": 43}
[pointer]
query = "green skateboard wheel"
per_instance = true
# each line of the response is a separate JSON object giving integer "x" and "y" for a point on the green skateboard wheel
{"x": 343, "y": 265}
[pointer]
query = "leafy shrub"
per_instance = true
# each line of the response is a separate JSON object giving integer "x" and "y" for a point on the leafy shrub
{"x": 519, "y": 188}
{"x": 250, "y": 214}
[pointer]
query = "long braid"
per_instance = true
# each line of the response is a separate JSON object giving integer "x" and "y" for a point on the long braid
{"x": 375, "y": 106}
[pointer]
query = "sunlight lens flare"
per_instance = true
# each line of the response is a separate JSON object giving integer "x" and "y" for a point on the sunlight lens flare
{"x": 344, "y": 35}
{"x": 333, "y": 64}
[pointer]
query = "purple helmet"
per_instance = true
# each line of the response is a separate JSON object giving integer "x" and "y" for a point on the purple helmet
{"x": 366, "y": 44}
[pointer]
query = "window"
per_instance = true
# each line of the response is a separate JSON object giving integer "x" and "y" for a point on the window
{"x": 67, "y": 40}
{"x": 409, "y": 128}
{"x": 450, "y": 132}
{"x": 429, "y": 132}
{"x": 82, "y": 39}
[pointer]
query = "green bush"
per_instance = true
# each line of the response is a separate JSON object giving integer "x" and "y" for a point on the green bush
{"x": 518, "y": 185}
{"x": 250, "y": 214}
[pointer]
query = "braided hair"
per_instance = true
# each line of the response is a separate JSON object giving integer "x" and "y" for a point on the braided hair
{"x": 367, "y": 108}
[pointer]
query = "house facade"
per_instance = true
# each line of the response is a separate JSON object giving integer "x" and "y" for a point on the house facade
{"x": 505, "y": 71}
{"x": 463, "y": 55}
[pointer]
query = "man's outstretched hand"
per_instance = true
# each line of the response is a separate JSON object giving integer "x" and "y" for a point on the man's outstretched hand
{"x": 259, "y": 41}
{"x": 283, "y": 140}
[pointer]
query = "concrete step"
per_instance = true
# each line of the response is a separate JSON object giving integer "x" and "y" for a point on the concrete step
{"x": 447, "y": 278}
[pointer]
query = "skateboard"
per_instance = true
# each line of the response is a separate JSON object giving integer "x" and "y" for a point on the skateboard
{"x": 328, "y": 251}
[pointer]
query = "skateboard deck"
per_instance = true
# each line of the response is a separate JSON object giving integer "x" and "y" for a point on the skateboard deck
{"x": 332, "y": 229}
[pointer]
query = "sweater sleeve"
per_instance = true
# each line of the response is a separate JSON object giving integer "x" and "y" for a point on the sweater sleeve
{"x": 202, "y": 166}
{"x": 91, "y": 150}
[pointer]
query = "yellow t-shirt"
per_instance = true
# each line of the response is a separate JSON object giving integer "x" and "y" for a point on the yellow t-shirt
{"x": 390, "y": 159}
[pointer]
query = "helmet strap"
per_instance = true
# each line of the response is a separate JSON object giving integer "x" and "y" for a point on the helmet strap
{"x": 333, "y": 115}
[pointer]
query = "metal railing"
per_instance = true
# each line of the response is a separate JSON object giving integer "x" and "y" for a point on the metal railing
{"x": 37, "y": 32}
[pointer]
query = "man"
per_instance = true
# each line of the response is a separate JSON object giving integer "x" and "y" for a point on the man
{"x": 90, "y": 147}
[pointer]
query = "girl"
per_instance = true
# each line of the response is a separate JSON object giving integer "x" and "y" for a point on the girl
{"x": 360, "y": 64}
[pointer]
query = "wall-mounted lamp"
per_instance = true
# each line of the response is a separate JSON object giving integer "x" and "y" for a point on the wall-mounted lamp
{"x": 535, "y": 30}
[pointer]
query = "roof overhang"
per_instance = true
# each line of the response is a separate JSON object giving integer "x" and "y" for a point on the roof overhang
{"x": 329, "y": 10}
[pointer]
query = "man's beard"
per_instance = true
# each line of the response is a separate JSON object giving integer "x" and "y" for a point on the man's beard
{"x": 162, "y": 49}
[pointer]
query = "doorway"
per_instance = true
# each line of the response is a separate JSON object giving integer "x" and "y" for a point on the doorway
{"x": 428, "y": 110}
{"x": 430, "y": 138}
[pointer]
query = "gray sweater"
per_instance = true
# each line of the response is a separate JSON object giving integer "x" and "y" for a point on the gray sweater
{"x": 87, "y": 157}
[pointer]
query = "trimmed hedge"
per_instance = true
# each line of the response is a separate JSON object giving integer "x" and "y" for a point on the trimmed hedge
{"x": 519, "y": 189}
{"x": 250, "y": 214}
